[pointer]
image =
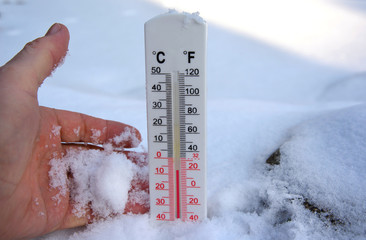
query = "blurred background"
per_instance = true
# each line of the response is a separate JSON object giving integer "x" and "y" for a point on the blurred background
{"x": 284, "y": 50}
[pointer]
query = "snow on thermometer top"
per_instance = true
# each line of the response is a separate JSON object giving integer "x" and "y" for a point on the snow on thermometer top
{"x": 175, "y": 51}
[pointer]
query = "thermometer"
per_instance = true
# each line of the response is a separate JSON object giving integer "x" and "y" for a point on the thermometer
{"x": 175, "y": 54}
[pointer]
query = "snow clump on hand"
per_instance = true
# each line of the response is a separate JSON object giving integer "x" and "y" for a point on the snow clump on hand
{"x": 100, "y": 180}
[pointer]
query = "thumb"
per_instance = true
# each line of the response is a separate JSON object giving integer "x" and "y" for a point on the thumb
{"x": 28, "y": 69}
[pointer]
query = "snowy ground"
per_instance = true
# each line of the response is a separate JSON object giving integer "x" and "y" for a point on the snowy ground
{"x": 299, "y": 87}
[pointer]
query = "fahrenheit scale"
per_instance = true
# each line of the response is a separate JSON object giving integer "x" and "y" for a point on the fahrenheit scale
{"x": 175, "y": 52}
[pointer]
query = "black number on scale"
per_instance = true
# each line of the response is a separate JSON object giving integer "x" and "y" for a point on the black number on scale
{"x": 192, "y": 71}
{"x": 157, "y": 105}
{"x": 155, "y": 70}
{"x": 158, "y": 138}
{"x": 192, "y": 147}
{"x": 156, "y": 87}
{"x": 192, "y": 110}
{"x": 192, "y": 129}
{"x": 192, "y": 91}
{"x": 157, "y": 121}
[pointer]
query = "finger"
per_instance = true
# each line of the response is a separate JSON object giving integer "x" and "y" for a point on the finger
{"x": 77, "y": 127}
{"x": 71, "y": 220}
{"x": 138, "y": 197}
{"x": 136, "y": 208}
{"x": 138, "y": 158}
{"x": 37, "y": 60}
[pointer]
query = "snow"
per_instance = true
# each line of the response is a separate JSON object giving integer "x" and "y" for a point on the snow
{"x": 101, "y": 178}
{"x": 299, "y": 88}
{"x": 189, "y": 17}
{"x": 56, "y": 131}
{"x": 129, "y": 135}
{"x": 326, "y": 159}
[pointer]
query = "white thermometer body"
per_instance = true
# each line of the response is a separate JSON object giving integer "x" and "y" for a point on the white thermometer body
{"x": 175, "y": 51}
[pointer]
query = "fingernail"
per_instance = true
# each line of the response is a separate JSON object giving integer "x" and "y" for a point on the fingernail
{"x": 54, "y": 29}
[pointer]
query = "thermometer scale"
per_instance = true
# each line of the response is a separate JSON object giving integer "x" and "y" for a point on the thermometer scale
{"x": 175, "y": 53}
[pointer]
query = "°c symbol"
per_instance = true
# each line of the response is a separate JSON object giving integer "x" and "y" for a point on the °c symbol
{"x": 154, "y": 52}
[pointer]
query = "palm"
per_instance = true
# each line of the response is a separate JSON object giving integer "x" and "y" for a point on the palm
{"x": 24, "y": 187}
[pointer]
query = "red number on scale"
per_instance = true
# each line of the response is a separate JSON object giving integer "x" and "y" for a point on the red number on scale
{"x": 159, "y": 186}
{"x": 195, "y": 155}
{"x": 193, "y": 200}
{"x": 159, "y": 170}
{"x": 158, "y": 154}
{"x": 160, "y": 216}
{"x": 192, "y": 165}
{"x": 160, "y": 201}
{"x": 193, "y": 183}
{"x": 193, "y": 217}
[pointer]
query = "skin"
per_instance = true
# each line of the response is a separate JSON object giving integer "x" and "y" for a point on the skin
{"x": 26, "y": 206}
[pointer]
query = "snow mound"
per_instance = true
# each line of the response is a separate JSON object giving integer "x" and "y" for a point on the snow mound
{"x": 347, "y": 89}
{"x": 324, "y": 162}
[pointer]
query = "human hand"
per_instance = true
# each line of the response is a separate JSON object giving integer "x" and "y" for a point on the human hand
{"x": 25, "y": 130}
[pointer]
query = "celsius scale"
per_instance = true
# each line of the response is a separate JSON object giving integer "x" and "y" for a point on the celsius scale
{"x": 175, "y": 54}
